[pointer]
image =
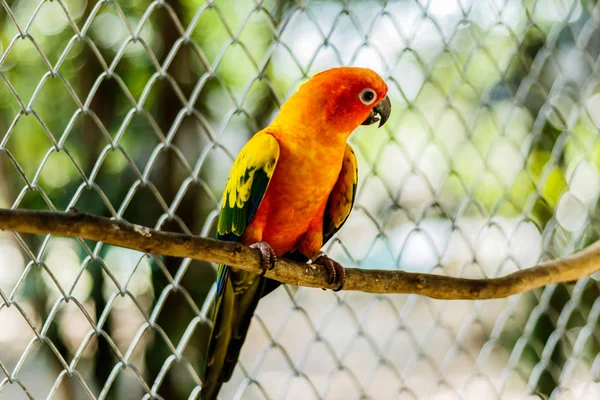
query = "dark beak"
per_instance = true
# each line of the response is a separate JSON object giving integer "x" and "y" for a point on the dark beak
{"x": 380, "y": 113}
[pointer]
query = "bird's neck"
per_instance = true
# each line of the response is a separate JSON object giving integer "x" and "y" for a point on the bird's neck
{"x": 304, "y": 118}
{"x": 314, "y": 133}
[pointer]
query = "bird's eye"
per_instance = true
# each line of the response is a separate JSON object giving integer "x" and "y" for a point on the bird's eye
{"x": 367, "y": 96}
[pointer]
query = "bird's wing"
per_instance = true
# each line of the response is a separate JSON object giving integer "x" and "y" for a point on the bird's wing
{"x": 238, "y": 291}
{"x": 342, "y": 196}
{"x": 247, "y": 184}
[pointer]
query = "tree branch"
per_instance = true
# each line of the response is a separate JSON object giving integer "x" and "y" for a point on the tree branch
{"x": 147, "y": 240}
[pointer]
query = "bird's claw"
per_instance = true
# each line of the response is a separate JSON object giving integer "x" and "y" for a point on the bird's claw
{"x": 335, "y": 271}
{"x": 267, "y": 255}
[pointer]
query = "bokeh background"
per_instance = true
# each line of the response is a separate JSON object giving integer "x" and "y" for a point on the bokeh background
{"x": 135, "y": 110}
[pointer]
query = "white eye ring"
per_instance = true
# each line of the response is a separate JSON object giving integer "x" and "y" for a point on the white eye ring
{"x": 367, "y": 96}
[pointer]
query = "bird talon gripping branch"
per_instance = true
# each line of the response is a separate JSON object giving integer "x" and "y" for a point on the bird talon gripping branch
{"x": 335, "y": 271}
{"x": 291, "y": 186}
{"x": 267, "y": 255}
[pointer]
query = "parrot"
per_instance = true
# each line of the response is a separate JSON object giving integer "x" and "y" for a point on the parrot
{"x": 290, "y": 189}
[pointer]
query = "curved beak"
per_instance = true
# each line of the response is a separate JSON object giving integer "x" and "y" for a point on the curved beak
{"x": 380, "y": 113}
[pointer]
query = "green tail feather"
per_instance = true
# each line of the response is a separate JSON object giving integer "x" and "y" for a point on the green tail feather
{"x": 235, "y": 304}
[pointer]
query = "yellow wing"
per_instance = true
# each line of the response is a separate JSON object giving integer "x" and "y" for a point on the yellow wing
{"x": 247, "y": 184}
{"x": 238, "y": 291}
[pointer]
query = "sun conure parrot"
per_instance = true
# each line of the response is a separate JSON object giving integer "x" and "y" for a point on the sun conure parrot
{"x": 290, "y": 189}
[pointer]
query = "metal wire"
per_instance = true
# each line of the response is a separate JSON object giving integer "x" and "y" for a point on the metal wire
{"x": 489, "y": 163}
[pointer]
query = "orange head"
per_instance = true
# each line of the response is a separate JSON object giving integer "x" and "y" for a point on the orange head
{"x": 335, "y": 102}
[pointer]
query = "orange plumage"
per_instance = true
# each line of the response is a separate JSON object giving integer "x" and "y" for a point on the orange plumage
{"x": 311, "y": 129}
{"x": 290, "y": 189}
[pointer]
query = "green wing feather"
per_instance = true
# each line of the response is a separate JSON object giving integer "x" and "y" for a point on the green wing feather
{"x": 238, "y": 291}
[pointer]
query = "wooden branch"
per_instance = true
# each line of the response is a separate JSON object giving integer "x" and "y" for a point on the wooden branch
{"x": 147, "y": 240}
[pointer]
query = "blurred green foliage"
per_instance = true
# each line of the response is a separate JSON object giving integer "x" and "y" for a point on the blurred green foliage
{"x": 507, "y": 130}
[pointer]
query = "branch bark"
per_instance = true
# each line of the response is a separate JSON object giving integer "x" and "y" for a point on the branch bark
{"x": 119, "y": 233}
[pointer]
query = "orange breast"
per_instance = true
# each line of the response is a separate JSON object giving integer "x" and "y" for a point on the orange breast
{"x": 297, "y": 194}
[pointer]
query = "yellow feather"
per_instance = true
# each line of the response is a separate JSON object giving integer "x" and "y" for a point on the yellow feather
{"x": 260, "y": 153}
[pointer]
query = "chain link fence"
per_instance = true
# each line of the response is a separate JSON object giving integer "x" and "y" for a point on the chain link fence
{"x": 136, "y": 110}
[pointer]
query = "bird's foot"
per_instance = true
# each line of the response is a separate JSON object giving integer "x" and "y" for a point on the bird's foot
{"x": 267, "y": 255}
{"x": 337, "y": 273}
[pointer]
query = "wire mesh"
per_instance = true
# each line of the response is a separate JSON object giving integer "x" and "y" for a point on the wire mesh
{"x": 136, "y": 110}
